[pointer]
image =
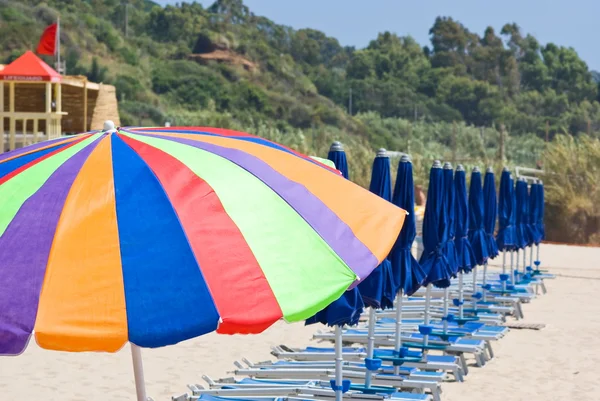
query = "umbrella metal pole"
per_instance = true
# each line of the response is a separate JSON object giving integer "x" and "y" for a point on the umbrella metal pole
{"x": 370, "y": 344}
{"x": 475, "y": 287}
{"x": 537, "y": 257}
{"x": 531, "y": 256}
{"x": 525, "y": 260}
{"x": 338, "y": 363}
{"x": 512, "y": 272}
{"x": 446, "y": 296}
{"x": 398, "y": 338}
{"x": 138, "y": 372}
{"x": 427, "y": 302}
{"x": 503, "y": 269}
{"x": 517, "y": 263}
{"x": 460, "y": 294}
{"x": 485, "y": 265}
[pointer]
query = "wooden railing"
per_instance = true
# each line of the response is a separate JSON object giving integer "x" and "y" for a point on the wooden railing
{"x": 12, "y": 138}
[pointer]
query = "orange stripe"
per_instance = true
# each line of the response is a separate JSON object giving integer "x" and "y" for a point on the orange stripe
{"x": 82, "y": 304}
{"x": 370, "y": 217}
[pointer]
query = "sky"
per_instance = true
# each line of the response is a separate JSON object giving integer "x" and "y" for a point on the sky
{"x": 569, "y": 23}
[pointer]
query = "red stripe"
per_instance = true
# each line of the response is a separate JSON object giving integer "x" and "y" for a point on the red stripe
{"x": 236, "y": 281}
{"x": 36, "y": 161}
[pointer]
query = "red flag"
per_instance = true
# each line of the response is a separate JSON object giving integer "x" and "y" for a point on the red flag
{"x": 47, "y": 43}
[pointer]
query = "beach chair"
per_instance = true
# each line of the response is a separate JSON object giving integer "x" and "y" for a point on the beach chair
{"x": 358, "y": 377}
{"x": 297, "y": 389}
{"x": 446, "y": 363}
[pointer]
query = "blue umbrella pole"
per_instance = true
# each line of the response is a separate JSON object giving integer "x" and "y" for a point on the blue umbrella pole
{"x": 460, "y": 295}
{"x": 398, "y": 338}
{"x": 339, "y": 360}
{"x": 370, "y": 344}
{"x": 427, "y": 302}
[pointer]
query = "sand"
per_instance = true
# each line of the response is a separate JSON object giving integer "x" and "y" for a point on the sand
{"x": 559, "y": 362}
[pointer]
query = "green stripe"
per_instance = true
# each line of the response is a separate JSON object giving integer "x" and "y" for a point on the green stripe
{"x": 15, "y": 191}
{"x": 304, "y": 273}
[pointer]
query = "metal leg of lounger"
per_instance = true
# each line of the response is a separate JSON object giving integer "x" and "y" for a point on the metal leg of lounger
{"x": 543, "y": 287}
{"x": 488, "y": 345}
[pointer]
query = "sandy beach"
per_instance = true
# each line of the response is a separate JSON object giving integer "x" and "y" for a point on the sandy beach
{"x": 556, "y": 363}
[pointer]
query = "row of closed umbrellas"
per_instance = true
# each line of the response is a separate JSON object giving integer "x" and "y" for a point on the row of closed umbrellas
{"x": 458, "y": 235}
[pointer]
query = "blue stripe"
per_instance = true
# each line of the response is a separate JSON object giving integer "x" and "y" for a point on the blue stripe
{"x": 14, "y": 164}
{"x": 166, "y": 296}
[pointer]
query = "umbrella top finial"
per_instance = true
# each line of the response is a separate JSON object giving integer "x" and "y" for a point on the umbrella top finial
{"x": 436, "y": 164}
{"x": 447, "y": 166}
{"x": 460, "y": 167}
{"x": 476, "y": 169}
{"x": 382, "y": 153}
{"x": 490, "y": 169}
{"x": 505, "y": 168}
{"x": 540, "y": 182}
{"x": 336, "y": 147}
{"x": 109, "y": 125}
{"x": 405, "y": 159}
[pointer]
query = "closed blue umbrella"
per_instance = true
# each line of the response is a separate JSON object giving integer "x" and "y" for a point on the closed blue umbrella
{"x": 541, "y": 208}
{"x": 406, "y": 271}
{"x": 377, "y": 289}
{"x": 540, "y": 221}
{"x": 405, "y": 268}
{"x": 476, "y": 230}
{"x": 464, "y": 252}
{"x": 338, "y": 156}
{"x": 521, "y": 213}
{"x": 346, "y": 310}
{"x": 490, "y": 212}
{"x": 506, "y": 230}
{"x": 533, "y": 212}
{"x": 449, "y": 248}
{"x": 435, "y": 232}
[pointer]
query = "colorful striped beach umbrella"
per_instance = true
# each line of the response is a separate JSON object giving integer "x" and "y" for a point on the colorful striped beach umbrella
{"x": 155, "y": 236}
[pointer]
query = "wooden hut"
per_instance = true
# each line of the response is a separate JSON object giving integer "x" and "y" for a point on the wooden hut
{"x": 37, "y": 103}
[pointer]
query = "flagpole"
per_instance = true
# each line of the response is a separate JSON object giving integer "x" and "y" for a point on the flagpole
{"x": 58, "y": 44}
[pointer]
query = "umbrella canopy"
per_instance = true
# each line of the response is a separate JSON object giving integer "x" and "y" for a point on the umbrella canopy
{"x": 522, "y": 210}
{"x": 540, "y": 214}
{"x": 338, "y": 156}
{"x": 506, "y": 229}
{"x": 490, "y": 206}
{"x": 449, "y": 194}
{"x": 464, "y": 252}
{"x": 476, "y": 230}
{"x": 406, "y": 271}
{"x": 377, "y": 290}
{"x": 155, "y": 236}
{"x": 435, "y": 232}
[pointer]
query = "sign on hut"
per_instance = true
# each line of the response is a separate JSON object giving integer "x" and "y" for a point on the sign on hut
{"x": 37, "y": 103}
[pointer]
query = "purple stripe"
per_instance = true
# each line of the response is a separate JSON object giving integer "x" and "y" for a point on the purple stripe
{"x": 322, "y": 219}
{"x": 29, "y": 148}
{"x": 24, "y": 251}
